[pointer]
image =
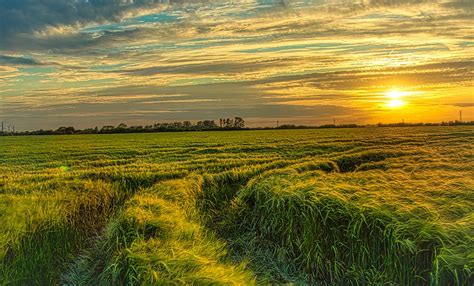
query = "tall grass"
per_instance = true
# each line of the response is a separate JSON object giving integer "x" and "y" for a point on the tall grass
{"x": 46, "y": 246}
{"x": 333, "y": 240}
{"x": 155, "y": 241}
{"x": 352, "y": 207}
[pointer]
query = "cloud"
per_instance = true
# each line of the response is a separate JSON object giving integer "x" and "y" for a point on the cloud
{"x": 261, "y": 59}
{"x": 28, "y": 16}
{"x": 11, "y": 60}
{"x": 49, "y": 24}
{"x": 214, "y": 67}
{"x": 466, "y": 5}
{"x": 463, "y": 104}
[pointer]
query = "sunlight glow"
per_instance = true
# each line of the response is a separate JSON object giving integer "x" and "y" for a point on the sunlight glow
{"x": 394, "y": 97}
{"x": 395, "y": 103}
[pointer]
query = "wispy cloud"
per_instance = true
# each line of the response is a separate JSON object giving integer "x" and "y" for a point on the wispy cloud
{"x": 311, "y": 60}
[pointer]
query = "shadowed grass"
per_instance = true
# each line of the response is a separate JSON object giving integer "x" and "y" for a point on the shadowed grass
{"x": 46, "y": 246}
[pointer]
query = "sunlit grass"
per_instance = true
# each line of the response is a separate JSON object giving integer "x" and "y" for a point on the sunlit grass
{"x": 358, "y": 206}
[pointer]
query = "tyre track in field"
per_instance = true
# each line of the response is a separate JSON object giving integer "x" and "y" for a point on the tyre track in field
{"x": 93, "y": 218}
{"x": 91, "y": 261}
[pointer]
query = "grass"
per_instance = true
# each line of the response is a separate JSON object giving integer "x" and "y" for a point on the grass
{"x": 347, "y": 206}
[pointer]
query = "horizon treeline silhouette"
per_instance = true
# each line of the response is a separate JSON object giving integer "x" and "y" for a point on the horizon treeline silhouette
{"x": 202, "y": 125}
{"x": 236, "y": 123}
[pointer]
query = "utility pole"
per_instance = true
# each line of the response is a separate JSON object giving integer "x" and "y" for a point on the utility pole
{"x": 278, "y": 124}
{"x": 2, "y": 126}
{"x": 460, "y": 115}
{"x": 334, "y": 121}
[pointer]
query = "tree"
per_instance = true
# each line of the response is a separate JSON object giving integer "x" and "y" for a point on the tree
{"x": 239, "y": 122}
{"x": 107, "y": 129}
{"x": 210, "y": 124}
{"x": 177, "y": 125}
{"x": 229, "y": 123}
{"x": 206, "y": 124}
{"x": 65, "y": 130}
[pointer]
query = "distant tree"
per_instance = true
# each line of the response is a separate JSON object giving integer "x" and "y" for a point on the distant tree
{"x": 107, "y": 129}
{"x": 287, "y": 126}
{"x": 206, "y": 124}
{"x": 210, "y": 124}
{"x": 65, "y": 130}
{"x": 87, "y": 131}
{"x": 239, "y": 122}
{"x": 229, "y": 123}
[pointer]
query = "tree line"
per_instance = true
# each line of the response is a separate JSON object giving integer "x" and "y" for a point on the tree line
{"x": 203, "y": 125}
{"x": 236, "y": 123}
{"x": 443, "y": 123}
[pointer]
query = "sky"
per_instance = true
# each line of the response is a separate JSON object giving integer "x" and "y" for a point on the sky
{"x": 88, "y": 63}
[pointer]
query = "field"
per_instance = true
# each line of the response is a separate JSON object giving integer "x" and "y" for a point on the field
{"x": 328, "y": 206}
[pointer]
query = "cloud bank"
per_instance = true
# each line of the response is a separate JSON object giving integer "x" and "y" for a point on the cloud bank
{"x": 27, "y": 16}
{"x": 103, "y": 62}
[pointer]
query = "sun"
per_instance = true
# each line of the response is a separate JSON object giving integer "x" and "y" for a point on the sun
{"x": 395, "y": 103}
{"x": 394, "y": 98}
{"x": 394, "y": 94}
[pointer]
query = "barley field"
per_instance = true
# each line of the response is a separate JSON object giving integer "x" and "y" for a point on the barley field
{"x": 391, "y": 206}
